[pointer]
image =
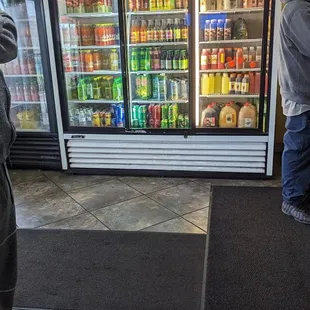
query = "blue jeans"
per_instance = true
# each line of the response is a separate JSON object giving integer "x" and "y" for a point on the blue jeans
{"x": 296, "y": 159}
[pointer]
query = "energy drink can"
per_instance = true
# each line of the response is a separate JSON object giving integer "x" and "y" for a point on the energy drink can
{"x": 164, "y": 123}
{"x": 108, "y": 119}
{"x": 96, "y": 119}
{"x": 135, "y": 123}
{"x": 172, "y": 124}
{"x": 164, "y": 111}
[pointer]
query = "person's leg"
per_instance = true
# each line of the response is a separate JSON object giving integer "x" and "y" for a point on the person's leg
{"x": 8, "y": 244}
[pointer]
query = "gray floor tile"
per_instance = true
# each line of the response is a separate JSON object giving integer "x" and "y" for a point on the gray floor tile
{"x": 183, "y": 198}
{"x": 147, "y": 185}
{"x": 102, "y": 195}
{"x": 69, "y": 182}
{"x": 81, "y": 222}
{"x": 45, "y": 209}
{"x": 133, "y": 215}
{"x": 199, "y": 218}
{"x": 177, "y": 225}
{"x": 34, "y": 189}
{"x": 23, "y": 176}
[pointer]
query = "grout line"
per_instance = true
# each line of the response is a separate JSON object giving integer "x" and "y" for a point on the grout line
{"x": 101, "y": 221}
{"x": 194, "y": 224}
{"x": 159, "y": 223}
{"x": 169, "y": 187}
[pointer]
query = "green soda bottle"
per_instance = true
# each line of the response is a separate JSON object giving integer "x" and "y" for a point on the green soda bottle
{"x": 148, "y": 62}
{"x": 81, "y": 89}
{"x": 134, "y": 60}
{"x": 89, "y": 89}
{"x": 142, "y": 59}
{"x": 97, "y": 88}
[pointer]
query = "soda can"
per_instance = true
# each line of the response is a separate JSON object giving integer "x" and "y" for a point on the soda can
{"x": 135, "y": 112}
{"x": 135, "y": 123}
{"x": 108, "y": 119}
{"x": 181, "y": 123}
{"x": 164, "y": 123}
{"x": 186, "y": 121}
{"x": 175, "y": 108}
{"x": 172, "y": 124}
{"x": 171, "y": 113}
{"x": 142, "y": 124}
{"x": 142, "y": 113}
{"x": 119, "y": 115}
{"x": 164, "y": 111}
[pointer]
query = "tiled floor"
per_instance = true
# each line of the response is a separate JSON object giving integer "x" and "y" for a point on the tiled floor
{"x": 59, "y": 200}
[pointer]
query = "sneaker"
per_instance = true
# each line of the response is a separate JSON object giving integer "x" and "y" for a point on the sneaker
{"x": 301, "y": 214}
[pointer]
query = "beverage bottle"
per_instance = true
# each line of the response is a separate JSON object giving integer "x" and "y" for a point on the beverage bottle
{"x": 157, "y": 116}
{"x": 132, "y": 5}
{"x": 238, "y": 84}
{"x": 160, "y": 5}
{"x": 213, "y": 30}
{"x": 27, "y": 92}
{"x": 142, "y": 59}
{"x": 169, "y": 60}
{"x": 169, "y": 31}
{"x": 89, "y": 88}
{"x": 260, "y": 3}
{"x": 143, "y": 32}
{"x": 172, "y": 4}
{"x": 204, "y": 84}
{"x": 245, "y": 54}
{"x": 214, "y": 59}
{"x": 97, "y": 60}
{"x": 239, "y": 58}
{"x": 204, "y": 64}
{"x": 220, "y": 30}
{"x": 178, "y": 4}
{"x": 247, "y": 117}
{"x": 228, "y": 117}
{"x": 34, "y": 90}
{"x": 20, "y": 91}
{"x": 156, "y": 59}
{"x": 162, "y": 31}
{"x": 184, "y": 30}
{"x": 252, "y": 83}
{"x": 177, "y": 36}
{"x": 227, "y": 4}
{"x": 163, "y": 60}
{"x": 232, "y": 83}
{"x": 203, "y": 6}
{"x": 31, "y": 63}
{"x": 153, "y": 5}
{"x": 135, "y": 32}
{"x": 114, "y": 60}
{"x": 225, "y": 84}
{"x": 207, "y": 30}
{"x": 97, "y": 88}
{"x": 252, "y": 54}
{"x": 245, "y": 86}
{"x": 218, "y": 83}
{"x": 211, "y": 89}
{"x": 152, "y": 54}
{"x": 81, "y": 90}
{"x": 221, "y": 59}
{"x": 185, "y": 4}
{"x": 186, "y": 60}
{"x": 227, "y": 29}
{"x": 156, "y": 31}
{"x": 134, "y": 60}
{"x": 145, "y": 5}
{"x": 209, "y": 117}
{"x": 259, "y": 54}
{"x": 148, "y": 61}
{"x": 167, "y": 5}
{"x": 176, "y": 58}
{"x": 257, "y": 83}
{"x": 150, "y": 32}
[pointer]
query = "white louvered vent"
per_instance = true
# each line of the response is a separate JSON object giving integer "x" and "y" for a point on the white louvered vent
{"x": 175, "y": 153}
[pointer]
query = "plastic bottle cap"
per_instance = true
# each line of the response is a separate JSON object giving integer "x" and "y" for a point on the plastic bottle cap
{"x": 228, "y": 104}
{"x": 247, "y": 104}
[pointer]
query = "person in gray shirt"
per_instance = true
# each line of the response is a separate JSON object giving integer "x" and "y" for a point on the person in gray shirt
{"x": 8, "y": 245}
{"x": 294, "y": 77}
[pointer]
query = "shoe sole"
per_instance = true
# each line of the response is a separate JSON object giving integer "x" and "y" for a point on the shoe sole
{"x": 297, "y": 220}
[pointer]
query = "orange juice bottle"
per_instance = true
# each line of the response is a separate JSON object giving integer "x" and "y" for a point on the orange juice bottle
{"x": 228, "y": 117}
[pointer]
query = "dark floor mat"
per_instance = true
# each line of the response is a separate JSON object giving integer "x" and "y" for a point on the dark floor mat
{"x": 258, "y": 258}
{"x": 109, "y": 270}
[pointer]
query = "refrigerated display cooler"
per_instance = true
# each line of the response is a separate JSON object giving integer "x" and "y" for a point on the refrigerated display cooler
{"x": 29, "y": 80}
{"x": 167, "y": 87}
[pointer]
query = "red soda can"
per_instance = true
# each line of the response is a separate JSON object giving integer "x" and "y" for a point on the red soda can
{"x": 157, "y": 116}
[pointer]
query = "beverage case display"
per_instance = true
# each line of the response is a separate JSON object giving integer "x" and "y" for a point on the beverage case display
{"x": 90, "y": 37}
{"x": 24, "y": 75}
{"x": 206, "y": 5}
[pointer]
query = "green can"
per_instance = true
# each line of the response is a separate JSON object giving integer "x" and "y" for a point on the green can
{"x": 135, "y": 123}
{"x": 181, "y": 122}
{"x": 164, "y": 123}
{"x": 164, "y": 111}
{"x": 142, "y": 114}
{"x": 186, "y": 121}
{"x": 172, "y": 124}
{"x": 135, "y": 112}
{"x": 142, "y": 124}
